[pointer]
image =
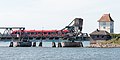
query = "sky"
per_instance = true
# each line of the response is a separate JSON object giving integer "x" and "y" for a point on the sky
{"x": 56, "y": 14}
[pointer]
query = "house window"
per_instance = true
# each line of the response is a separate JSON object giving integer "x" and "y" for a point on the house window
{"x": 111, "y": 23}
{"x": 104, "y": 27}
{"x": 102, "y": 36}
{"x": 104, "y": 23}
{"x": 97, "y": 36}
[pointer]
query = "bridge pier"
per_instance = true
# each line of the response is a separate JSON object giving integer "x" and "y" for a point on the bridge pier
{"x": 59, "y": 44}
{"x": 40, "y": 44}
{"x": 81, "y": 44}
{"x": 53, "y": 44}
{"x": 11, "y": 44}
{"x": 34, "y": 44}
{"x": 72, "y": 44}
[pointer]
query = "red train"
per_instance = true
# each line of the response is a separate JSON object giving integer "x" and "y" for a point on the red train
{"x": 40, "y": 33}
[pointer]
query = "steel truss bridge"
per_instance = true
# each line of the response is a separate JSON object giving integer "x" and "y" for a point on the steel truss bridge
{"x": 75, "y": 28}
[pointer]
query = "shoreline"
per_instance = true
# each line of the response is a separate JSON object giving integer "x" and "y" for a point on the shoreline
{"x": 104, "y": 46}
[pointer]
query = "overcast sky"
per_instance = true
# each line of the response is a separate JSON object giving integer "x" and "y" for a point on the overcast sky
{"x": 56, "y": 14}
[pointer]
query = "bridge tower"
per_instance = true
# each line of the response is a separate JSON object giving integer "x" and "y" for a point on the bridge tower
{"x": 75, "y": 26}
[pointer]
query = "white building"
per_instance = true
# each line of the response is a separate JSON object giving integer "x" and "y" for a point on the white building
{"x": 106, "y": 23}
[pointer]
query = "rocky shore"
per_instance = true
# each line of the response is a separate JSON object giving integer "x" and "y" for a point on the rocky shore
{"x": 104, "y": 46}
{"x": 113, "y": 43}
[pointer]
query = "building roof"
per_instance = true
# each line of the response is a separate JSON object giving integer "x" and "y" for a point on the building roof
{"x": 100, "y": 32}
{"x": 106, "y": 18}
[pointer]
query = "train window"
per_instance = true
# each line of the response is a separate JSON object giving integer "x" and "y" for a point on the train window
{"x": 39, "y": 32}
{"x": 56, "y": 32}
{"x": 65, "y": 32}
{"x": 52, "y": 33}
{"x": 49, "y": 33}
{"x": 32, "y": 32}
{"x": 45, "y": 32}
{"x": 17, "y": 32}
{"x": 35, "y": 33}
{"x": 28, "y": 33}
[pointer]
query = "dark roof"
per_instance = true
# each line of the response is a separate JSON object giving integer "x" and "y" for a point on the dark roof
{"x": 105, "y": 18}
{"x": 78, "y": 19}
{"x": 100, "y": 32}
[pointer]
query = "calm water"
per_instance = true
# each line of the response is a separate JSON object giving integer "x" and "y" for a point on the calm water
{"x": 48, "y": 53}
{"x": 39, "y": 53}
{"x": 45, "y": 44}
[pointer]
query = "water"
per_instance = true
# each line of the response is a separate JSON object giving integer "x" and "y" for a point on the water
{"x": 48, "y": 53}
{"x": 44, "y": 44}
{"x": 41, "y": 53}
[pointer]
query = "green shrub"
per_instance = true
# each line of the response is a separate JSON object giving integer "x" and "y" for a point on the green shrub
{"x": 112, "y": 41}
{"x": 115, "y": 35}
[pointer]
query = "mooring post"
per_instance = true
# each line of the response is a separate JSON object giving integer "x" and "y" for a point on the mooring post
{"x": 11, "y": 44}
{"x": 59, "y": 44}
{"x": 53, "y": 44}
{"x": 40, "y": 44}
{"x": 34, "y": 44}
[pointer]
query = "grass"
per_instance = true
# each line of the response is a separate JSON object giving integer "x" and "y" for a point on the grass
{"x": 112, "y": 41}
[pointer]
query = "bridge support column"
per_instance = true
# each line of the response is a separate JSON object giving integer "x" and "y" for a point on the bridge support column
{"x": 72, "y": 44}
{"x": 40, "y": 44}
{"x": 34, "y": 44}
{"x": 59, "y": 44}
{"x": 11, "y": 44}
{"x": 81, "y": 44}
{"x": 53, "y": 44}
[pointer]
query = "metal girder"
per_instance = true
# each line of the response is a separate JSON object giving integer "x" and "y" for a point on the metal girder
{"x": 12, "y": 27}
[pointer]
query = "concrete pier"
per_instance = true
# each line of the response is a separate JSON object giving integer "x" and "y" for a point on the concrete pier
{"x": 72, "y": 44}
{"x": 11, "y": 44}
{"x": 24, "y": 44}
{"x": 81, "y": 44}
{"x": 59, "y": 44}
{"x": 34, "y": 44}
{"x": 53, "y": 44}
{"x": 40, "y": 44}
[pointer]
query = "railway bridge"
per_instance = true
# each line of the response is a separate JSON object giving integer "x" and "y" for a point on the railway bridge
{"x": 71, "y": 35}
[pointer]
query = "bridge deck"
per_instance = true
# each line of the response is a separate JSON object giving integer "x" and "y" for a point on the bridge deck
{"x": 48, "y": 39}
